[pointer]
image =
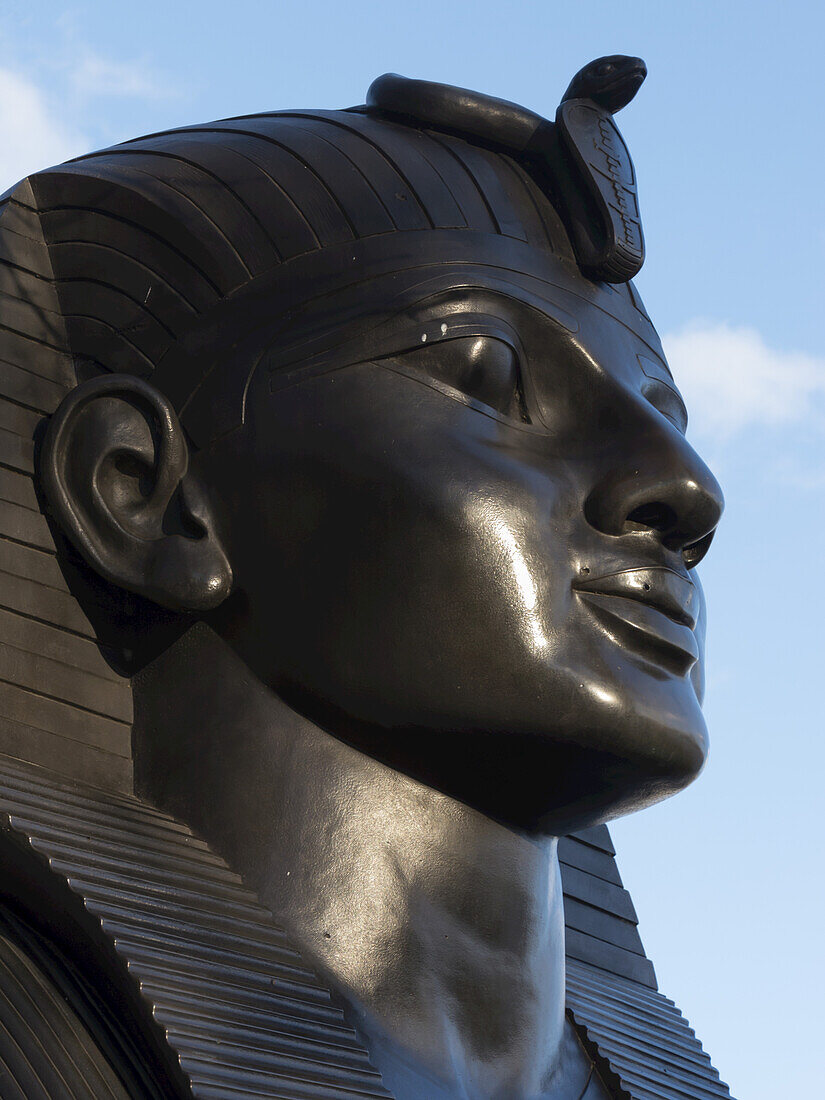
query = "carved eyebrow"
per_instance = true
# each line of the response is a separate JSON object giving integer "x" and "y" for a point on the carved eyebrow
{"x": 656, "y": 368}
{"x": 494, "y": 301}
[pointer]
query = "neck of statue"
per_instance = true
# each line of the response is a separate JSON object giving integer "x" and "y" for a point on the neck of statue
{"x": 441, "y": 929}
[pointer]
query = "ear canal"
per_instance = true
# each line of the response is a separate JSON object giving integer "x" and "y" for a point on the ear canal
{"x": 114, "y": 466}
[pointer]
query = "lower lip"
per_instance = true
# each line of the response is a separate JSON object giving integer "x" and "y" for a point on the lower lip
{"x": 645, "y": 629}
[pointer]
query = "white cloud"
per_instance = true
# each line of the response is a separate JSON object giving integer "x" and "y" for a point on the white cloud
{"x": 31, "y": 135}
{"x": 92, "y": 75}
{"x": 731, "y": 379}
{"x": 50, "y": 109}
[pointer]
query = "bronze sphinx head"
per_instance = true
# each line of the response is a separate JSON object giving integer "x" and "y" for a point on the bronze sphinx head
{"x": 428, "y": 479}
{"x": 368, "y": 397}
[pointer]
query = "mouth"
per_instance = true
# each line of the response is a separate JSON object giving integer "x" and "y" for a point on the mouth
{"x": 633, "y": 72}
{"x": 651, "y": 610}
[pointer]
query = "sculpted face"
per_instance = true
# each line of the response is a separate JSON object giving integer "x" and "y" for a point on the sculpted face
{"x": 463, "y": 539}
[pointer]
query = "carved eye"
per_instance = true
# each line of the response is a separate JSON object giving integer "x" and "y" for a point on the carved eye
{"x": 482, "y": 367}
{"x": 605, "y": 69}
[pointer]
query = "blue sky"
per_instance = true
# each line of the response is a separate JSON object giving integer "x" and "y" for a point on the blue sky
{"x": 726, "y": 136}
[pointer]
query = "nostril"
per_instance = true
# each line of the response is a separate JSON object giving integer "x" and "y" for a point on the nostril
{"x": 694, "y": 553}
{"x": 675, "y": 504}
{"x": 654, "y": 515}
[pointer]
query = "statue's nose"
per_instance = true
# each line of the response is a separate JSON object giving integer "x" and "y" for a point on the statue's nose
{"x": 664, "y": 487}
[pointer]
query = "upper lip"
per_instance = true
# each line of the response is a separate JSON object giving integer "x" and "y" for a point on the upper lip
{"x": 658, "y": 586}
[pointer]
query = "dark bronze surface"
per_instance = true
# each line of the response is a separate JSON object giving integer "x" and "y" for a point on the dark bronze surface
{"x": 48, "y": 1050}
{"x": 610, "y": 82}
{"x": 365, "y": 466}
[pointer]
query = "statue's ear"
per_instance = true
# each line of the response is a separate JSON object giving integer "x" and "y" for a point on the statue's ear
{"x": 114, "y": 466}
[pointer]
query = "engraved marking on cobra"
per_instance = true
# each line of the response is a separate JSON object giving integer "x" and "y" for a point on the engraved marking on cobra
{"x": 615, "y": 247}
{"x": 606, "y": 145}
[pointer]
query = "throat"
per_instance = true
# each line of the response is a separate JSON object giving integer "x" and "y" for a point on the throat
{"x": 469, "y": 993}
{"x": 444, "y": 933}
{"x": 442, "y": 930}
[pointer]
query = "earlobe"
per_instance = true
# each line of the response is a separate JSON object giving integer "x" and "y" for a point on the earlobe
{"x": 114, "y": 467}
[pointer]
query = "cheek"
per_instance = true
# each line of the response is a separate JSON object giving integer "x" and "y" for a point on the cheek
{"x": 397, "y": 539}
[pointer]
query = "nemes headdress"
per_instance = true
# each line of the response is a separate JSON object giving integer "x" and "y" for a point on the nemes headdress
{"x": 109, "y": 261}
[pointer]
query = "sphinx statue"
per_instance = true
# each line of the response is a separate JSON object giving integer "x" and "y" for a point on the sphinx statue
{"x": 349, "y": 533}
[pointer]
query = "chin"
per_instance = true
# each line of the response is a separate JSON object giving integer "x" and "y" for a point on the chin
{"x": 599, "y": 788}
{"x": 607, "y": 762}
{"x": 638, "y": 766}
{"x": 543, "y": 782}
